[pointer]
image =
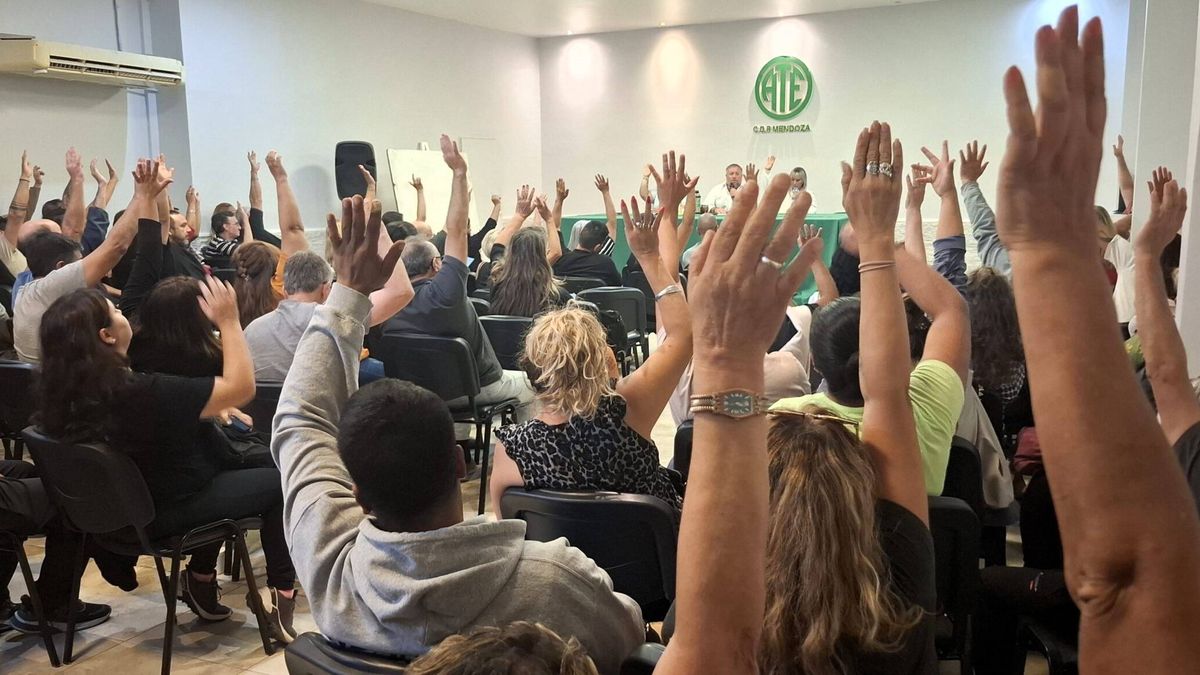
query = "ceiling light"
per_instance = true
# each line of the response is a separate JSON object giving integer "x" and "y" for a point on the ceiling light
{"x": 570, "y": 32}
{"x": 661, "y": 24}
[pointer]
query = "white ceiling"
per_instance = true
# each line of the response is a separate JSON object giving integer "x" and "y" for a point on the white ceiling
{"x": 548, "y": 18}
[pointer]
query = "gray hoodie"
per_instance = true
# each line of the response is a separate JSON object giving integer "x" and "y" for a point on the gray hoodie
{"x": 401, "y": 593}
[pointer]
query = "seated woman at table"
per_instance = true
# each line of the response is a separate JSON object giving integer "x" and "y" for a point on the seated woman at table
{"x": 593, "y": 431}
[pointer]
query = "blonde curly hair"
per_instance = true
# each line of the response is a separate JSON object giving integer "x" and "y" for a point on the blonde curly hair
{"x": 567, "y": 360}
{"x": 520, "y": 647}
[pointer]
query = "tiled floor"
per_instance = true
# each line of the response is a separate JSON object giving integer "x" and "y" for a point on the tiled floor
{"x": 130, "y": 643}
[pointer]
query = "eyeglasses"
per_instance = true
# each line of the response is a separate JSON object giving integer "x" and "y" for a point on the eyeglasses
{"x": 827, "y": 417}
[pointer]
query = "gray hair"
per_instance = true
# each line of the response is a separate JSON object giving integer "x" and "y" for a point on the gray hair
{"x": 707, "y": 222}
{"x": 305, "y": 272}
{"x": 418, "y": 256}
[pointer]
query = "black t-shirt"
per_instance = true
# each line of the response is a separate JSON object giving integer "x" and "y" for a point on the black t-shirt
{"x": 1187, "y": 449}
{"x": 908, "y": 547}
{"x": 156, "y": 419}
{"x": 440, "y": 307}
{"x": 588, "y": 264}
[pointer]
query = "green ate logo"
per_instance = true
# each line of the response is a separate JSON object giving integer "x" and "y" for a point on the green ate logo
{"x": 783, "y": 87}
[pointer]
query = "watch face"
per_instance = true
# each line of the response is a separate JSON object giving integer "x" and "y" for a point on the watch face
{"x": 738, "y": 403}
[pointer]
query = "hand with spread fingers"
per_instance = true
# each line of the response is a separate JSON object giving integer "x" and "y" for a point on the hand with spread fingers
{"x": 356, "y": 256}
{"x": 525, "y": 197}
{"x": 940, "y": 170}
{"x": 872, "y": 198}
{"x": 601, "y": 182}
{"x": 971, "y": 164}
{"x": 1168, "y": 204}
{"x": 641, "y": 230}
{"x": 673, "y": 184}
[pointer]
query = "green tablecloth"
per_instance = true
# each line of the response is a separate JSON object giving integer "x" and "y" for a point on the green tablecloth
{"x": 830, "y": 224}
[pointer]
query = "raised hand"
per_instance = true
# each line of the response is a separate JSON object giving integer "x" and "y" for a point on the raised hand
{"x": 38, "y": 175}
{"x": 916, "y": 182}
{"x": 971, "y": 165}
{"x": 847, "y": 172}
{"x": 252, "y": 157}
{"x": 524, "y": 201}
{"x": 149, "y": 179}
{"x": 96, "y": 173}
{"x": 495, "y": 200}
{"x": 740, "y": 282}
{"x": 166, "y": 174}
{"x": 873, "y": 200}
{"x": 560, "y": 190}
{"x": 217, "y": 300}
{"x": 26, "y": 167}
{"x": 1168, "y": 205}
{"x": 416, "y": 183}
{"x": 770, "y": 164}
{"x": 941, "y": 169}
{"x": 275, "y": 165}
{"x": 192, "y": 196}
{"x": 751, "y": 172}
{"x": 672, "y": 183}
{"x": 367, "y": 177}
{"x": 113, "y": 175}
{"x": 74, "y": 164}
{"x": 539, "y": 205}
{"x": 1119, "y": 148}
{"x": 1048, "y": 176}
{"x": 641, "y": 229}
{"x": 647, "y": 169}
{"x": 811, "y": 233}
{"x": 452, "y": 156}
{"x": 356, "y": 258}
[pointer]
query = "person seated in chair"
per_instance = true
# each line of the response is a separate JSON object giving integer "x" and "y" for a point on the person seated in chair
{"x": 523, "y": 282}
{"x": 590, "y": 433}
{"x": 307, "y": 279}
{"x": 586, "y": 260}
{"x": 374, "y": 505}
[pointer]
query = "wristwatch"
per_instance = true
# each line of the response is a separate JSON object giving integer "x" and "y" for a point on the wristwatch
{"x": 735, "y": 403}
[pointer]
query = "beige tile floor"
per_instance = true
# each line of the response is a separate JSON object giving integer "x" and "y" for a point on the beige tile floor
{"x": 130, "y": 643}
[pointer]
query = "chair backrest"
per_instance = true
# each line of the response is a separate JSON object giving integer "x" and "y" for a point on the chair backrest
{"x": 97, "y": 489}
{"x": 632, "y": 537}
{"x": 577, "y": 285}
{"x": 955, "y": 529}
{"x": 637, "y": 279}
{"x": 630, "y": 303}
{"x": 964, "y": 475}
{"x": 443, "y": 365}
{"x": 225, "y": 274}
{"x": 262, "y": 408}
{"x": 312, "y": 654}
{"x": 483, "y": 293}
{"x": 482, "y": 307}
{"x": 16, "y": 395}
{"x": 683, "y": 449}
{"x": 507, "y": 335}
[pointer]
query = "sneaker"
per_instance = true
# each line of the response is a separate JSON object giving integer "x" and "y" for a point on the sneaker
{"x": 203, "y": 597}
{"x": 280, "y": 611}
{"x": 87, "y": 614}
{"x": 472, "y": 473}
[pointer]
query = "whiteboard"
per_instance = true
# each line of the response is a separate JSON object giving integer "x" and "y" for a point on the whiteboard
{"x": 435, "y": 176}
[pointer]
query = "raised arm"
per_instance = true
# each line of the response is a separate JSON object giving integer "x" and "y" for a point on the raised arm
{"x": 553, "y": 236}
{"x": 18, "y": 208}
{"x": 688, "y": 224}
{"x": 1166, "y": 358}
{"x": 75, "y": 218}
{"x": 420, "y": 188}
{"x": 949, "y": 244}
{"x": 610, "y": 210}
{"x": 256, "y": 198}
{"x": 371, "y": 191}
{"x": 1129, "y": 528}
{"x": 949, "y": 338}
{"x": 460, "y": 195}
{"x": 524, "y": 208}
{"x": 827, "y": 290}
{"x": 740, "y": 302}
{"x": 149, "y": 180}
{"x": 647, "y": 389}
{"x": 914, "y": 225}
{"x": 644, "y": 187}
{"x": 291, "y": 227}
{"x": 672, "y": 185}
{"x": 193, "y": 209}
{"x": 983, "y": 221}
{"x": 35, "y": 192}
{"x": 1124, "y": 175}
{"x": 105, "y": 185}
{"x": 249, "y": 224}
{"x": 235, "y": 385}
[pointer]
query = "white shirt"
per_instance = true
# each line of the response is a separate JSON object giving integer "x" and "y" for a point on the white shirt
{"x": 1120, "y": 254}
{"x": 718, "y": 198}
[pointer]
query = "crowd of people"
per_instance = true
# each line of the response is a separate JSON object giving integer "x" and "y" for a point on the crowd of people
{"x": 821, "y": 429}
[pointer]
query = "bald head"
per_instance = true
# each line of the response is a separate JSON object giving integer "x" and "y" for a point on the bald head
{"x": 32, "y": 227}
{"x": 423, "y": 229}
{"x": 707, "y": 223}
{"x": 420, "y": 257}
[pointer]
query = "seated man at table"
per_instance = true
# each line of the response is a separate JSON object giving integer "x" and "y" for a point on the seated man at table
{"x": 586, "y": 260}
{"x": 708, "y": 223}
{"x": 720, "y": 198}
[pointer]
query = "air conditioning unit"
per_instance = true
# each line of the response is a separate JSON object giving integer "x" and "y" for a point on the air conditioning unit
{"x": 30, "y": 56}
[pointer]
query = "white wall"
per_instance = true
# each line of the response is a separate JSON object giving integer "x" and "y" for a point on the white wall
{"x": 46, "y": 116}
{"x": 301, "y": 76}
{"x": 611, "y": 102}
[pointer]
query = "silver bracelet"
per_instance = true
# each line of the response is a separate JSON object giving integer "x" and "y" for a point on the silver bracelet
{"x": 669, "y": 290}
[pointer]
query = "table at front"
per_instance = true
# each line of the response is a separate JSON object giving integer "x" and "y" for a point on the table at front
{"x": 830, "y": 224}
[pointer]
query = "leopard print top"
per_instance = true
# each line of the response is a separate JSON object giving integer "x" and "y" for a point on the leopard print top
{"x": 597, "y": 453}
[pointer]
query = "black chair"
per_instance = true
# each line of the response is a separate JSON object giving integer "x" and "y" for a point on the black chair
{"x": 964, "y": 475}
{"x": 225, "y": 274}
{"x": 482, "y": 307}
{"x": 483, "y": 293}
{"x": 100, "y": 493}
{"x": 637, "y": 279}
{"x": 630, "y": 303}
{"x": 955, "y": 529}
{"x": 614, "y": 334}
{"x": 6, "y": 297}
{"x": 16, "y": 405}
{"x": 13, "y": 533}
{"x": 507, "y": 335}
{"x": 1061, "y": 651}
{"x": 446, "y": 367}
{"x": 262, "y": 407}
{"x": 632, "y": 537}
{"x": 682, "y": 460}
{"x": 577, "y": 285}
{"x": 313, "y": 654}
{"x": 643, "y": 660}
